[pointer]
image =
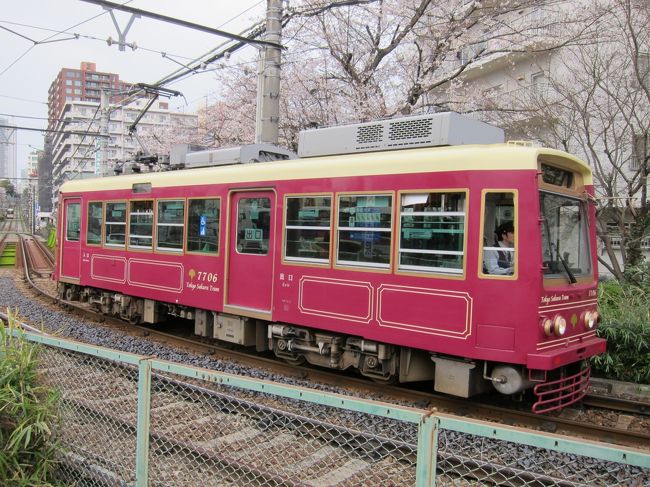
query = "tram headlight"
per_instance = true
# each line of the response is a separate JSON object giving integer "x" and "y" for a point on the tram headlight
{"x": 547, "y": 324}
{"x": 590, "y": 319}
{"x": 559, "y": 325}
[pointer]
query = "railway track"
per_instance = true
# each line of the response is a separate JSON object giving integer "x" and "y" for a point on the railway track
{"x": 39, "y": 258}
{"x": 202, "y": 433}
{"x": 617, "y": 404}
{"x": 566, "y": 423}
{"x": 245, "y": 442}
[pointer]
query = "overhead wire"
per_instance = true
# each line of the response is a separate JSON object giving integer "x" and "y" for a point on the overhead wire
{"x": 43, "y": 41}
{"x": 77, "y": 35}
{"x": 23, "y": 99}
{"x": 34, "y": 118}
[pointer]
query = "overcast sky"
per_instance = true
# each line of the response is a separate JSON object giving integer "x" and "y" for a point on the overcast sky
{"x": 29, "y": 77}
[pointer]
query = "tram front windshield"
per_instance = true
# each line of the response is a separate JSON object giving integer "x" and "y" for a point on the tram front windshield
{"x": 565, "y": 236}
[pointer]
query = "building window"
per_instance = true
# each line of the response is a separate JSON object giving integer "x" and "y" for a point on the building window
{"x": 538, "y": 83}
{"x": 141, "y": 224}
{"x": 364, "y": 230}
{"x": 72, "y": 222}
{"x": 169, "y": 228}
{"x": 471, "y": 52}
{"x": 432, "y": 232}
{"x": 253, "y": 225}
{"x": 307, "y": 228}
{"x": 115, "y": 224}
{"x": 94, "y": 230}
{"x": 499, "y": 243}
{"x": 203, "y": 225}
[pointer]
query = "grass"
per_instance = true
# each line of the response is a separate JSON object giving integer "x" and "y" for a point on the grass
{"x": 625, "y": 312}
{"x": 27, "y": 412}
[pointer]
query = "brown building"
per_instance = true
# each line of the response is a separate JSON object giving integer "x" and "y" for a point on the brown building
{"x": 83, "y": 84}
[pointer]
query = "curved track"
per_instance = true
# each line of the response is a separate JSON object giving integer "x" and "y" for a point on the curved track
{"x": 563, "y": 423}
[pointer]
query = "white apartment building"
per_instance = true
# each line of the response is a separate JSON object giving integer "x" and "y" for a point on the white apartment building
{"x": 76, "y": 150}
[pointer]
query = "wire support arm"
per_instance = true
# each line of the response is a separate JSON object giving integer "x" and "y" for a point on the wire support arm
{"x": 183, "y": 23}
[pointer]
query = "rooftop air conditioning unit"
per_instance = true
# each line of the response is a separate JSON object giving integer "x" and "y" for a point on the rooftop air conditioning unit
{"x": 439, "y": 129}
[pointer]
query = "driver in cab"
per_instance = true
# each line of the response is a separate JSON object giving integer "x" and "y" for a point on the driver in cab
{"x": 499, "y": 260}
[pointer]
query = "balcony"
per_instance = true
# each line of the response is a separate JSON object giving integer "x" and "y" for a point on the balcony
{"x": 616, "y": 242}
{"x": 495, "y": 49}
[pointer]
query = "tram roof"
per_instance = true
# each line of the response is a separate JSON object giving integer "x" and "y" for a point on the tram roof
{"x": 412, "y": 161}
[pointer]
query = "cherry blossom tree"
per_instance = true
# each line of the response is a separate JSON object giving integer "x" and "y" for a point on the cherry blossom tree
{"x": 358, "y": 60}
{"x": 596, "y": 104}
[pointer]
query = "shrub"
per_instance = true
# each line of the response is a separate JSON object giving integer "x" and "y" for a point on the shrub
{"x": 26, "y": 412}
{"x": 625, "y": 311}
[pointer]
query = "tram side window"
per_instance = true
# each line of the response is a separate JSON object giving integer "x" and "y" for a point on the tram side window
{"x": 170, "y": 225}
{"x": 73, "y": 222}
{"x": 115, "y": 224}
{"x": 203, "y": 225}
{"x": 94, "y": 230}
{"x": 141, "y": 224}
{"x": 253, "y": 225}
{"x": 432, "y": 232}
{"x": 307, "y": 228}
{"x": 499, "y": 224}
{"x": 364, "y": 230}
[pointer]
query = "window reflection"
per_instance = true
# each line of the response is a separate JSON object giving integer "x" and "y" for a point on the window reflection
{"x": 432, "y": 232}
{"x": 115, "y": 224}
{"x": 308, "y": 228}
{"x": 253, "y": 225}
{"x": 171, "y": 214}
{"x": 203, "y": 226}
{"x": 364, "y": 230}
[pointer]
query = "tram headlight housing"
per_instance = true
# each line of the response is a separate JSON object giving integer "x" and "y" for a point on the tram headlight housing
{"x": 559, "y": 325}
{"x": 547, "y": 324}
{"x": 590, "y": 319}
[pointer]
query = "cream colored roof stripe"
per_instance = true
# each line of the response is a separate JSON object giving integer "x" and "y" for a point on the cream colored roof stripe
{"x": 439, "y": 159}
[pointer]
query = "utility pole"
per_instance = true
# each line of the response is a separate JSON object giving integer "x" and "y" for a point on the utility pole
{"x": 103, "y": 130}
{"x": 268, "y": 82}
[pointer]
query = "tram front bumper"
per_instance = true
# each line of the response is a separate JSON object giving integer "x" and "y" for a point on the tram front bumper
{"x": 570, "y": 351}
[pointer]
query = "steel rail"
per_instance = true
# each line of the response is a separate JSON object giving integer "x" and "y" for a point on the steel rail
{"x": 555, "y": 424}
{"x": 617, "y": 404}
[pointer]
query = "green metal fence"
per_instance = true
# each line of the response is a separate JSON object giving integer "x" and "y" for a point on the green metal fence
{"x": 133, "y": 420}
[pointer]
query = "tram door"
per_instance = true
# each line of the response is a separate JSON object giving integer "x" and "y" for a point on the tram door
{"x": 251, "y": 245}
{"x": 70, "y": 238}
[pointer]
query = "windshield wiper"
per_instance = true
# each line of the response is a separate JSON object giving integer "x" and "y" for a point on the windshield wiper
{"x": 569, "y": 273}
{"x": 556, "y": 251}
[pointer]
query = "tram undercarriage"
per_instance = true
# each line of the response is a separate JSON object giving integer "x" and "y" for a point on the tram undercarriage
{"x": 379, "y": 361}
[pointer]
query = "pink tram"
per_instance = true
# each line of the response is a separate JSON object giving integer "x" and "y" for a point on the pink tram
{"x": 471, "y": 264}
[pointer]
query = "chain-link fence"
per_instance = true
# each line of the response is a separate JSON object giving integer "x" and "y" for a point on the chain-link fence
{"x": 130, "y": 420}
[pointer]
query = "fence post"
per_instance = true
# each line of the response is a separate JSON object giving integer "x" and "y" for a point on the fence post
{"x": 427, "y": 451}
{"x": 144, "y": 414}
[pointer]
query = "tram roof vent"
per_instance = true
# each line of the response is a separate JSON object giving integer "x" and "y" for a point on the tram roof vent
{"x": 438, "y": 129}
{"x": 244, "y": 154}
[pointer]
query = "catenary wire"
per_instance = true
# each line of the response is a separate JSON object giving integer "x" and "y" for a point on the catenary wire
{"x": 54, "y": 35}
